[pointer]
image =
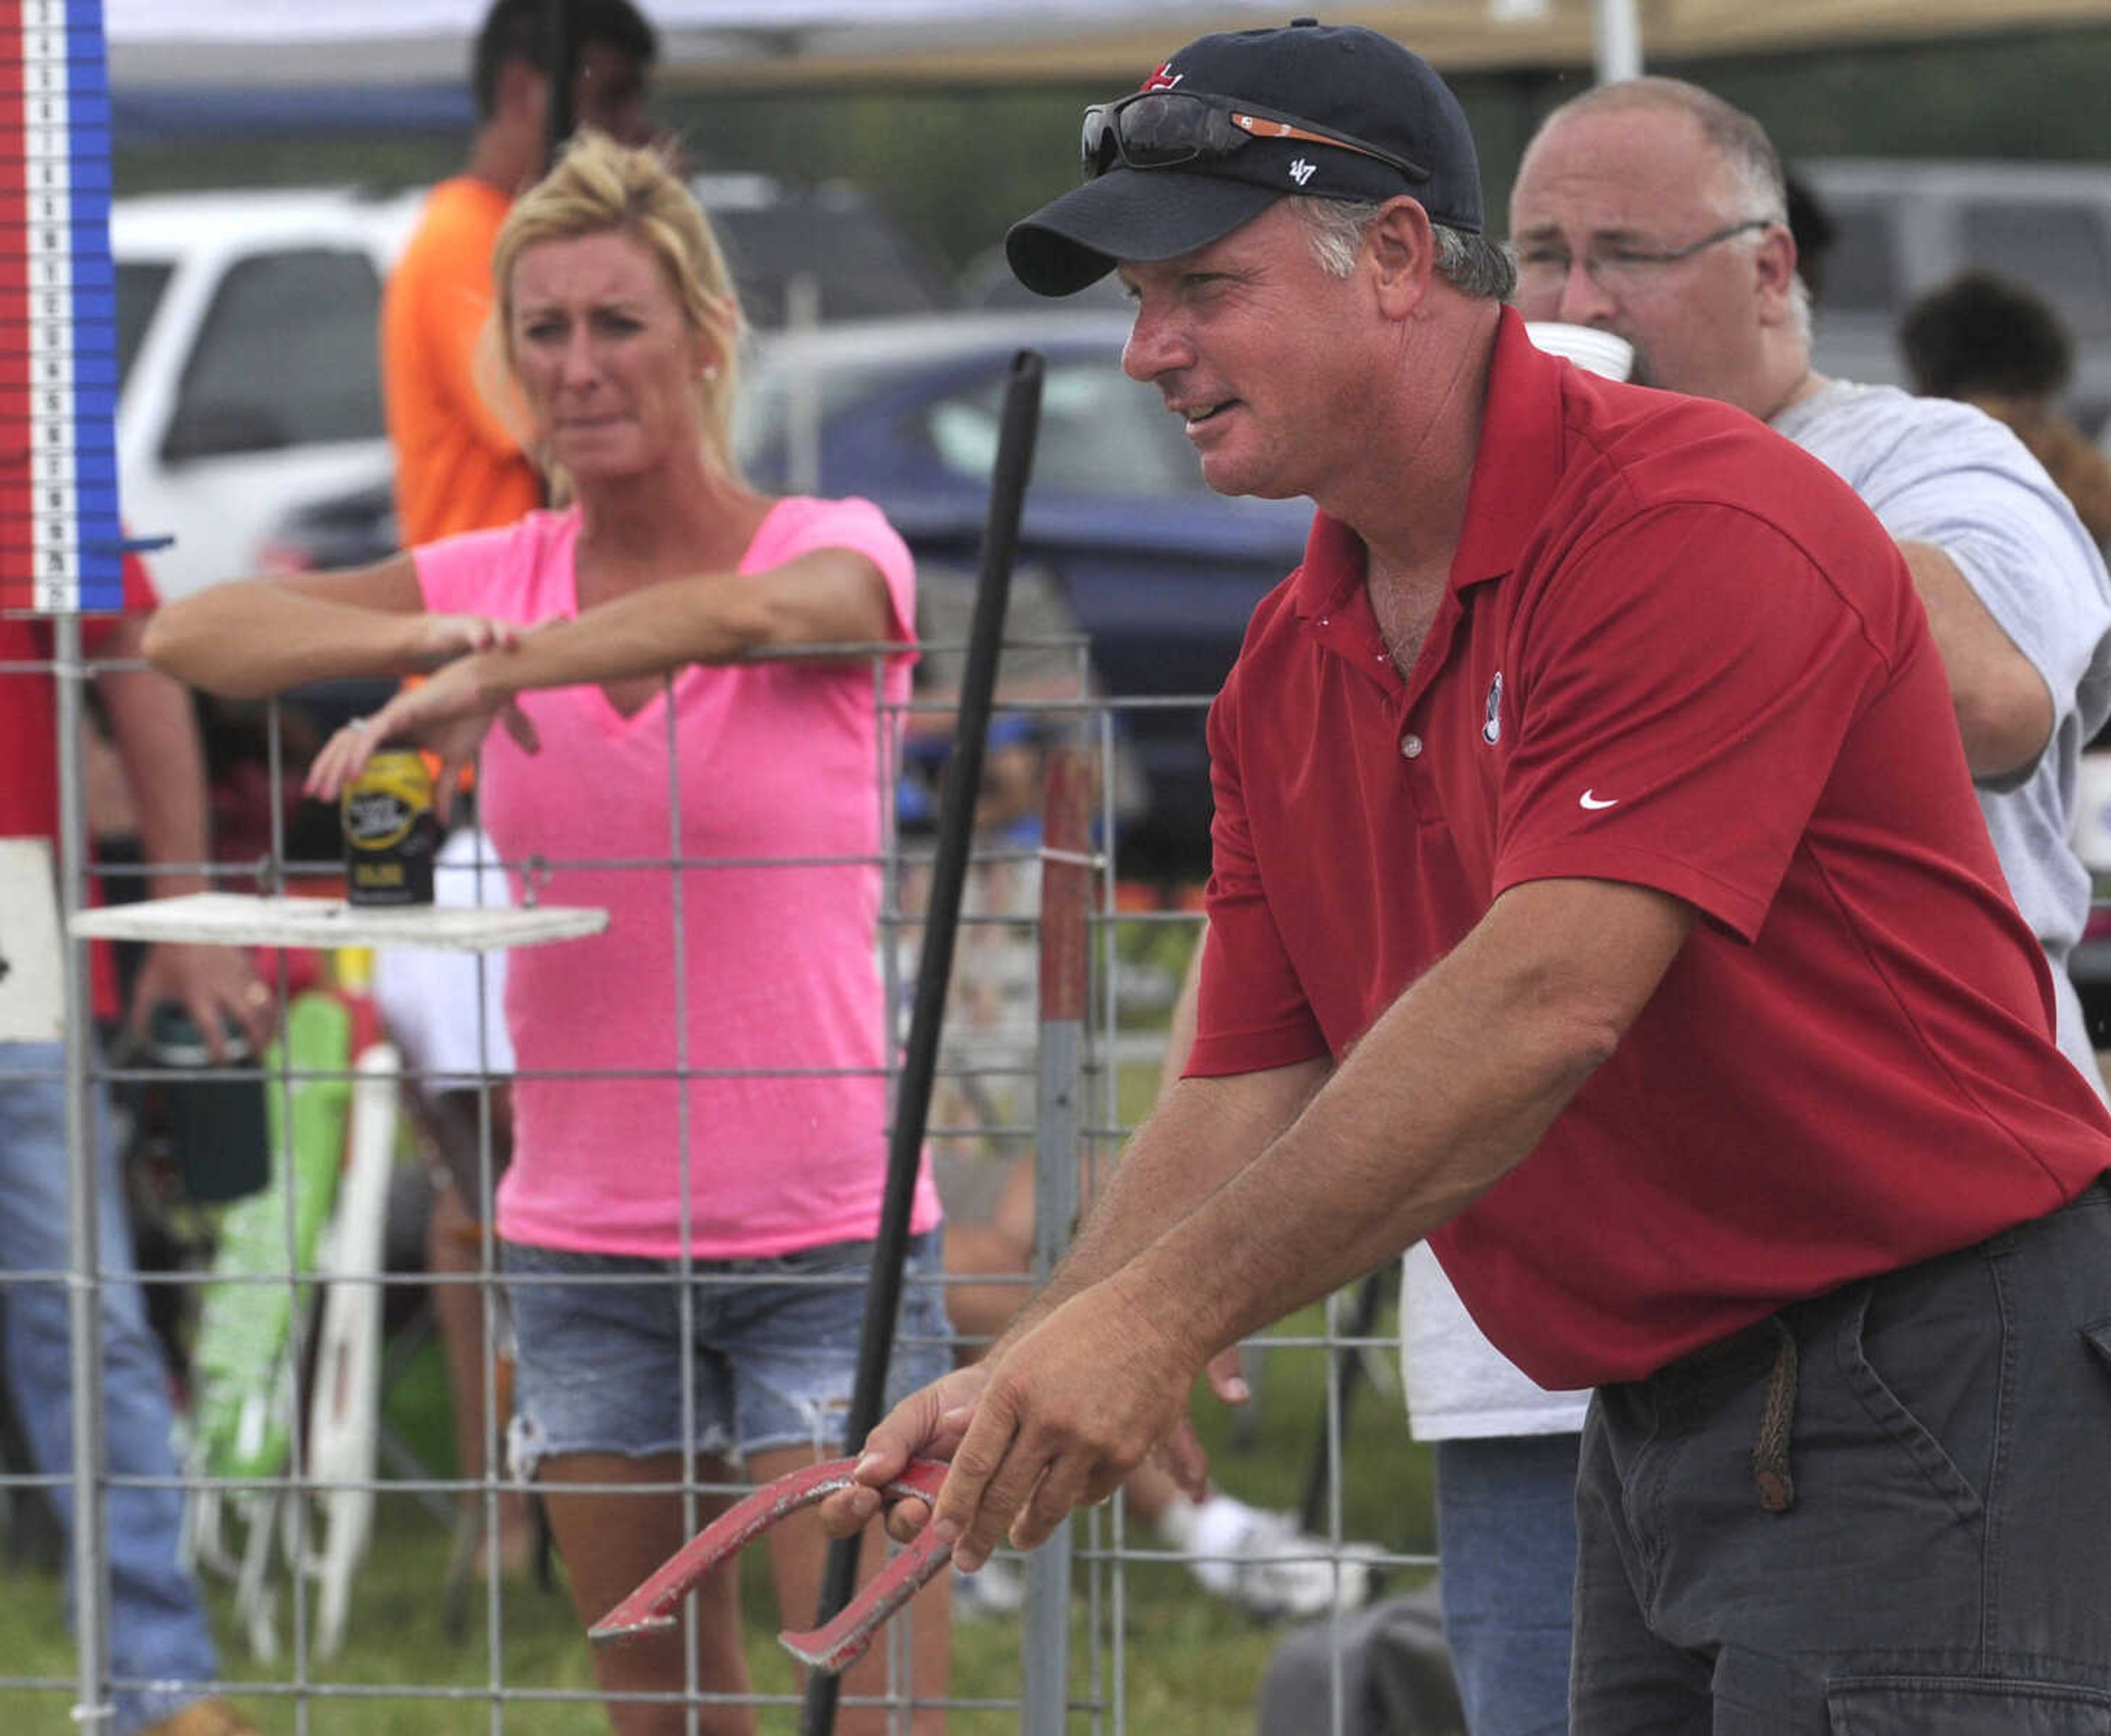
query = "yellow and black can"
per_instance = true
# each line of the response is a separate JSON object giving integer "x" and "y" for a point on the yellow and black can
{"x": 391, "y": 834}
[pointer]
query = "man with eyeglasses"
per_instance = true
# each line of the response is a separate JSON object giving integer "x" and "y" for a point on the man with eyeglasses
{"x": 1599, "y": 892}
{"x": 2016, "y": 591}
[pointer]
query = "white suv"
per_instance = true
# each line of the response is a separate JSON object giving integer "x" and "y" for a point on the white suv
{"x": 248, "y": 364}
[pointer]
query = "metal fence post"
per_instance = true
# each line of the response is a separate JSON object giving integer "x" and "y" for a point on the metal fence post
{"x": 1066, "y": 903}
{"x": 1014, "y": 463}
{"x": 90, "y": 1565}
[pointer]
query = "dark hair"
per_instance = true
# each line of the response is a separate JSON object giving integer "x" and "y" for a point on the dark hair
{"x": 1982, "y": 333}
{"x": 513, "y": 30}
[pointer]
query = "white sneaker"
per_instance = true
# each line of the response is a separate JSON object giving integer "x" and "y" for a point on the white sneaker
{"x": 997, "y": 1588}
{"x": 1262, "y": 1562}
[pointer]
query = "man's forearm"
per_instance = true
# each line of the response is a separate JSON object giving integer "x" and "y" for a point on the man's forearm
{"x": 1180, "y": 1024}
{"x": 1455, "y": 1085}
{"x": 155, "y": 735}
{"x": 2004, "y": 713}
{"x": 1418, "y": 1123}
{"x": 1203, "y": 1132}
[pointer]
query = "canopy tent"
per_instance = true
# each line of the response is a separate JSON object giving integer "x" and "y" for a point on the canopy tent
{"x": 734, "y": 44}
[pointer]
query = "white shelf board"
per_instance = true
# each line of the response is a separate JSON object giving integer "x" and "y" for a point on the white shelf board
{"x": 241, "y": 919}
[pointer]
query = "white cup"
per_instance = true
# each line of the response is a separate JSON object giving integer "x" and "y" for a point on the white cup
{"x": 1599, "y": 351}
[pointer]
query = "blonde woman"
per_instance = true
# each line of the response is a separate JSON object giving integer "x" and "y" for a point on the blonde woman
{"x": 618, "y": 333}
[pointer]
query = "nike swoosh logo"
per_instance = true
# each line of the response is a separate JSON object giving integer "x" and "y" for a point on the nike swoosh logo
{"x": 1588, "y": 800}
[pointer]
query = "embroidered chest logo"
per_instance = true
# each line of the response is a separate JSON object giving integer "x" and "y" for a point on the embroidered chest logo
{"x": 1301, "y": 171}
{"x": 1491, "y": 727}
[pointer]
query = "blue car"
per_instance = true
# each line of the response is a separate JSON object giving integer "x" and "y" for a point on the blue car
{"x": 1120, "y": 541}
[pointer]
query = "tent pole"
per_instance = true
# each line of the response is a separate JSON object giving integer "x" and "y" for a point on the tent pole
{"x": 1617, "y": 32}
{"x": 559, "y": 57}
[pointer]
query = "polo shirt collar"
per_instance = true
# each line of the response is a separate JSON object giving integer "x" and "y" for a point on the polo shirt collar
{"x": 1332, "y": 572}
{"x": 1516, "y": 470}
{"x": 1518, "y": 465}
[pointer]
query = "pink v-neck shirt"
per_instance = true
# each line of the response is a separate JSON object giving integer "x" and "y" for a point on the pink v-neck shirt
{"x": 763, "y": 947}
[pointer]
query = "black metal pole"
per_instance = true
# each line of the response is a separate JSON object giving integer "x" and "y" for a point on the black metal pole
{"x": 559, "y": 62}
{"x": 934, "y": 966}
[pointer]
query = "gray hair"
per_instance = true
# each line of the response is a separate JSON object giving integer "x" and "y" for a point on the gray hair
{"x": 1798, "y": 310}
{"x": 1472, "y": 264}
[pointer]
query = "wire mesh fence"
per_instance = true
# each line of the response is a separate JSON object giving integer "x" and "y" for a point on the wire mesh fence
{"x": 348, "y": 1497}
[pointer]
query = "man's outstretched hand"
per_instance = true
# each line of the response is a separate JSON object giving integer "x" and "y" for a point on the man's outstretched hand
{"x": 1053, "y": 1420}
{"x": 928, "y": 1423}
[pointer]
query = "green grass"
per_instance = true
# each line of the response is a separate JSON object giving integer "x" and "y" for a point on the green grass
{"x": 1192, "y": 1663}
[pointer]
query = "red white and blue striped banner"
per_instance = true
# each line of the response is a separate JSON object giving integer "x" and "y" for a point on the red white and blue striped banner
{"x": 61, "y": 546}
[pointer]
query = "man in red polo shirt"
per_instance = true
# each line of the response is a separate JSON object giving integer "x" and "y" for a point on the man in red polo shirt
{"x": 1599, "y": 893}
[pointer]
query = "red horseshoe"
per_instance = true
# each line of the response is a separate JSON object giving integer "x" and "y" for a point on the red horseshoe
{"x": 836, "y": 1645}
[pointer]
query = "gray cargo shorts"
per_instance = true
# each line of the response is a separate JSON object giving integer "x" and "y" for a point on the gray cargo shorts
{"x": 1885, "y": 1511}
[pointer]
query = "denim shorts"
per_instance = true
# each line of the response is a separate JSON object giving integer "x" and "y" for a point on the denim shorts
{"x": 774, "y": 1345}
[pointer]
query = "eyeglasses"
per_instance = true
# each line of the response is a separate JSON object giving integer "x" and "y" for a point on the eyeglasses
{"x": 1545, "y": 264}
{"x": 1164, "y": 128}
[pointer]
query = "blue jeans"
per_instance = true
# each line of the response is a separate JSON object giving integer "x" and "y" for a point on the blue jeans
{"x": 156, "y": 1622}
{"x": 1883, "y": 1512}
{"x": 1507, "y": 1555}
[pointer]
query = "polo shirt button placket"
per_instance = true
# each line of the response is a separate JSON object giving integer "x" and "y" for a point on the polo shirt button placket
{"x": 1410, "y": 746}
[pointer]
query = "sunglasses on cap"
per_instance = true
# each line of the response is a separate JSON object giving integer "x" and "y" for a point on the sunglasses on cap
{"x": 1165, "y": 129}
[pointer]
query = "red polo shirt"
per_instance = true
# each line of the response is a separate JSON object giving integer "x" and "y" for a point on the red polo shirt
{"x": 28, "y": 709}
{"x": 1676, "y": 652}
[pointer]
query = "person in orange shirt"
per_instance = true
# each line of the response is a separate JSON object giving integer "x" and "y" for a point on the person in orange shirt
{"x": 458, "y": 467}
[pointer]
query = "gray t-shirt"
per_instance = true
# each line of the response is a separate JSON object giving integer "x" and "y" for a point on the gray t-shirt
{"x": 1934, "y": 472}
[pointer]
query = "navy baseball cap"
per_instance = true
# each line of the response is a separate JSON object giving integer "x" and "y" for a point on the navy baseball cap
{"x": 1248, "y": 117}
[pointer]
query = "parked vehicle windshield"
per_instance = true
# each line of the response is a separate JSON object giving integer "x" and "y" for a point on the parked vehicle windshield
{"x": 1099, "y": 433}
{"x": 285, "y": 356}
{"x": 139, "y": 288}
